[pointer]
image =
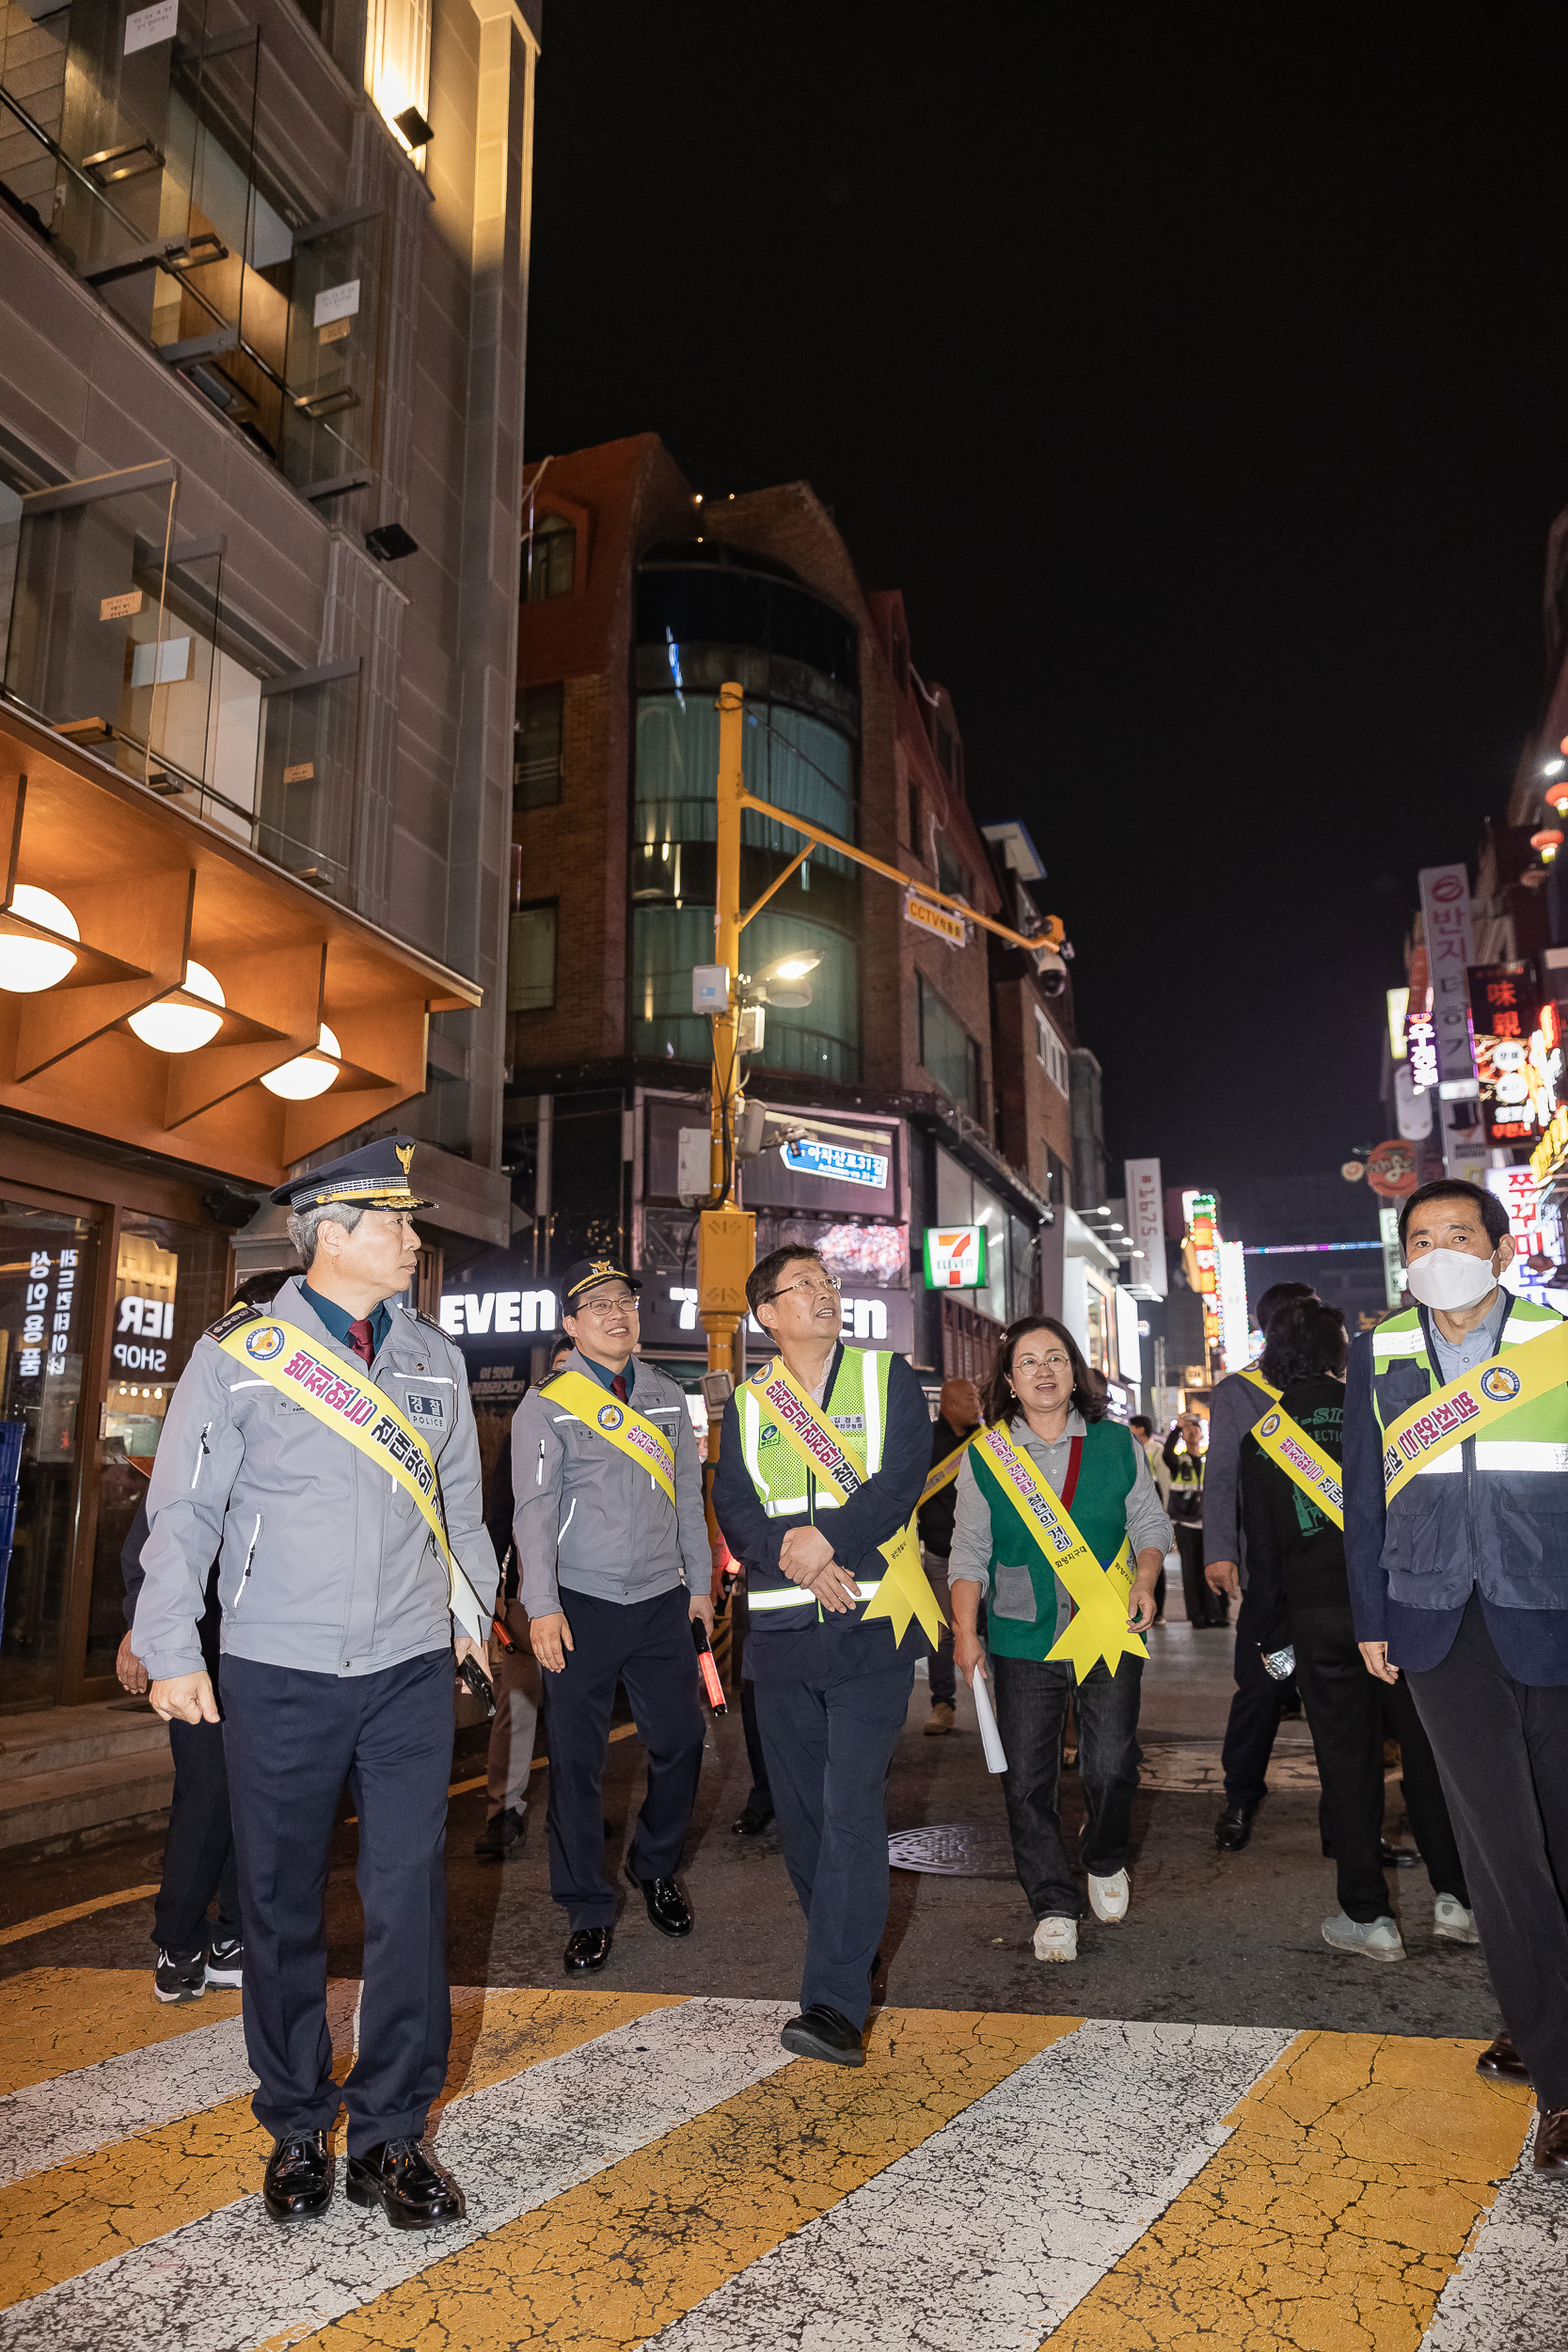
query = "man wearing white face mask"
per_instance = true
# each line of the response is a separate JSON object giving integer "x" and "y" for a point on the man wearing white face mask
{"x": 1456, "y": 1544}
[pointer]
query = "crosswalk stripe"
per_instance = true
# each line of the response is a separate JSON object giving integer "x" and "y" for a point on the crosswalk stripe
{"x": 229, "y": 2281}
{"x": 613, "y": 2261}
{"x": 1510, "y": 2294}
{"x": 1005, "y": 2219}
{"x": 56, "y": 2020}
{"x": 1333, "y": 2213}
{"x": 128, "y": 2191}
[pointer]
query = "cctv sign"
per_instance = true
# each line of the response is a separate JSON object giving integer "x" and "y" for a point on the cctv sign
{"x": 955, "y": 1257}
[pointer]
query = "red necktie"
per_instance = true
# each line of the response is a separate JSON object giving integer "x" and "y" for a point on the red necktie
{"x": 359, "y": 1339}
{"x": 618, "y": 1382}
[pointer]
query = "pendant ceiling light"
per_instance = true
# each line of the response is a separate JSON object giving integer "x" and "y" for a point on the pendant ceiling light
{"x": 172, "y": 1028}
{"x": 29, "y": 964}
{"x": 307, "y": 1075}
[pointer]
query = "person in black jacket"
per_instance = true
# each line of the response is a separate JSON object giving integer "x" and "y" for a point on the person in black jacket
{"x": 1298, "y": 1594}
{"x": 958, "y": 1419}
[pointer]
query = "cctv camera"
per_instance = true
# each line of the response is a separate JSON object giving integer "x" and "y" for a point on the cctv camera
{"x": 1052, "y": 974}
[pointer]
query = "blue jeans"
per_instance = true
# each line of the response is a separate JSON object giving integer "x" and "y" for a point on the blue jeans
{"x": 1031, "y": 1714}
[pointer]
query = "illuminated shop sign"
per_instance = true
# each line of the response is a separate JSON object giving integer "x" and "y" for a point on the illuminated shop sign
{"x": 1536, "y": 1230}
{"x": 836, "y": 1162}
{"x": 474, "y": 1314}
{"x": 1420, "y": 1040}
{"x": 955, "y": 1257}
{"x": 1517, "y": 1050}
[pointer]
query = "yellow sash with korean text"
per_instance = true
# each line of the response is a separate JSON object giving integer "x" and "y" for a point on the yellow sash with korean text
{"x": 618, "y": 1424}
{"x": 1317, "y": 1473}
{"x": 903, "y": 1591}
{"x": 1470, "y": 1404}
{"x": 288, "y": 1361}
{"x": 947, "y": 1469}
{"x": 1100, "y": 1595}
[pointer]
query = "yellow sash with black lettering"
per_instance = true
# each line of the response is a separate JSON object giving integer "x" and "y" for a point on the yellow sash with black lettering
{"x": 946, "y": 1471}
{"x": 1099, "y": 1627}
{"x": 618, "y": 1424}
{"x": 1317, "y": 1473}
{"x": 902, "y": 1591}
{"x": 1253, "y": 1374}
{"x": 288, "y": 1361}
{"x": 1475, "y": 1402}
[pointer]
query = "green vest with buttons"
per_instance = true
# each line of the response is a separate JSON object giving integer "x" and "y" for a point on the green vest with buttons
{"x": 1022, "y": 1598}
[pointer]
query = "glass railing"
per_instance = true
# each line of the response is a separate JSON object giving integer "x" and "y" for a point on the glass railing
{"x": 118, "y": 638}
{"x": 138, "y": 159}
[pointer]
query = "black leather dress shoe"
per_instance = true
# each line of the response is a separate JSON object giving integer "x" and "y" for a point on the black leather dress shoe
{"x": 751, "y": 1825}
{"x": 297, "y": 2183}
{"x": 820, "y": 2032}
{"x": 587, "y": 1949}
{"x": 1551, "y": 2141}
{"x": 1394, "y": 1857}
{"x": 404, "y": 2180}
{"x": 1501, "y": 2060}
{"x": 1234, "y": 1828}
{"x": 667, "y": 1906}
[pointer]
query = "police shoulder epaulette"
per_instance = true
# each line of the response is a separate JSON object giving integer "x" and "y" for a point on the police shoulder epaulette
{"x": 418, "y": 1316}
{"x": 235, "y": 1320}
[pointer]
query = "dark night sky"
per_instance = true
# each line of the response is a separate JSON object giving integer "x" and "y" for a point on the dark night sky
{"x": 1200, "y": 375}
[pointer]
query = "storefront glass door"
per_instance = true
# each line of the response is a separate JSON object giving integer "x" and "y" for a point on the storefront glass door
{"x": 48, "y": 1263}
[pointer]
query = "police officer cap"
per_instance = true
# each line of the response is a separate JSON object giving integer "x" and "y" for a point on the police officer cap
{"x": 374, "y": 1177}
{"x": 588, "y": 1275}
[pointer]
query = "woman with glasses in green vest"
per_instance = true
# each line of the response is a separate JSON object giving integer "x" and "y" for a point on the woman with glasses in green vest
{"x": 1058, "y": 1528}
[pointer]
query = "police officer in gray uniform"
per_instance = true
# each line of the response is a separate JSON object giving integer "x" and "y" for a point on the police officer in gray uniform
{"x": 294, "y": 1450}
{"x": 613, "y": 1559}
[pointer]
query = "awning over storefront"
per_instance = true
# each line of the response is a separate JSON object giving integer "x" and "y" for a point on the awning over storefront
{"x": 150, "y": 889}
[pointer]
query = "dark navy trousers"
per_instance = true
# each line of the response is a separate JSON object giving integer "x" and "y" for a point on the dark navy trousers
{"x": 828, "y": 1746}
{"x": 293, "y": 1739}
{"x": 199, "y": 1851}
{"x": 646, "y": 1645}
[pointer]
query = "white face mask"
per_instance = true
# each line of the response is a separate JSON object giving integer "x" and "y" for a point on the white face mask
{"x": 1449, "y": 1279}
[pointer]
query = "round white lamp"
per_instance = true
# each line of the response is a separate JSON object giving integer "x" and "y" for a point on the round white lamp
{"x": 29, "y": 964}
{"x": 171, "y": 1029}
{"x": 307, "y": 1075}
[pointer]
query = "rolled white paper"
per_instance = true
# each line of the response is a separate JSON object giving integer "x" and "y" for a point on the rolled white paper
{"x": 991, "y": 1738}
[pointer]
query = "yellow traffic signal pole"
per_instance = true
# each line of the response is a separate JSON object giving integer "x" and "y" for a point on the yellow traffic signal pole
{"x": 726, "y": 1238}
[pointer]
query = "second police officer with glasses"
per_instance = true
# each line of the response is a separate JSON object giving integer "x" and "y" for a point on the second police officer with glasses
{"x": 822, "y": 1459}
{"x": 613, "y": 1562}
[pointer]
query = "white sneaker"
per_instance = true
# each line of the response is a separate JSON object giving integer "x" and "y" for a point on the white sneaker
{"x": 1109, "y": 1897}
{"x": 1056, "y": 1939}
{"x": 1451, "y": 1919}
{"x": 1374, "y": 1939}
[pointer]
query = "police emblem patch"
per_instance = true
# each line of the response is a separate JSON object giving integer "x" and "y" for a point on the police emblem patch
{"x": 610, "y": 1417}
{"x": 425, "y": 1411}
{"x": 1269, "y": 1423}
{"x": 265, "y": 1341}
{"x": 1499, "y": 1385}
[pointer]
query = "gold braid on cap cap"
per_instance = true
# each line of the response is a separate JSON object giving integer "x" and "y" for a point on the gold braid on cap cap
{"x": 371, "y": 1192}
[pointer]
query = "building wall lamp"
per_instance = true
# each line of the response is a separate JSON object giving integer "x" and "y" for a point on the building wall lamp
{"x": 33, "y": 954}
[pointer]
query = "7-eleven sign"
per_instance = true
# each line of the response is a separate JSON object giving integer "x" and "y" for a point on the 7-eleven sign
{"x": 955, "y": 1257}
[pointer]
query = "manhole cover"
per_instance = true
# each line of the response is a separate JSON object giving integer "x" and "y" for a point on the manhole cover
{"x": 958, "y": 1850}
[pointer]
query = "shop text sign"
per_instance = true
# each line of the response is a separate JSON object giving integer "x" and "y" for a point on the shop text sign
{"x": 475, "y": 1314}
{"x": 806, "y": 1157}
{"x": 1145, "y": 1221}
{"x": 955, "y": 1257}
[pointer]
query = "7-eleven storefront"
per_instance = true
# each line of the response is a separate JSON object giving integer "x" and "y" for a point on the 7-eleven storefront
{"x": 127, "y": 1169}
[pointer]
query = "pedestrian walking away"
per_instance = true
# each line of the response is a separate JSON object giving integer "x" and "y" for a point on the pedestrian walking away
{"x": 1185, "y": 1460}
{"x": 1456, "y": 1543}
{"x": 823, "y": 1457}
{"x": 326, "y": 1454}
{"x": 1240, "y": 1401}
{"x": 958, "y": 1418}
{"x": 1059, "y": 1529}
{"x": 614, "y": 1567}
{"x": 1298, "y": 1599}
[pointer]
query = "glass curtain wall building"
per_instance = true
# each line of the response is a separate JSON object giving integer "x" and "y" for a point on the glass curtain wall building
{"x": 707, "y": 612}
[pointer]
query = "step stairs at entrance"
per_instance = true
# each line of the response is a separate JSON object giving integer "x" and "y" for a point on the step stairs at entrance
{"x": 76, "y": 1776}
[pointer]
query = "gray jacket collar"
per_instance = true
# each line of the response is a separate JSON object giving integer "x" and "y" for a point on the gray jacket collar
{"x": 292, "y": 1305}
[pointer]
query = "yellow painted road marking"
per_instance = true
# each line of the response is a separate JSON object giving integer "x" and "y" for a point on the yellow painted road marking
{"x": 65, "y": 2221}
{"x": 1333, "y": 2216}
{"x": 610, "y": 2262}
{"x": 53, "y": 2020}
{"x": 48, "y": 1919}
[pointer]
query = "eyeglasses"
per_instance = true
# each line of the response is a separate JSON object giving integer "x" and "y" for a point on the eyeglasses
{"x": 826, "y": 1288}
{"x": 1057, "y": 1362}
{"x": 613, "y": 1305}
